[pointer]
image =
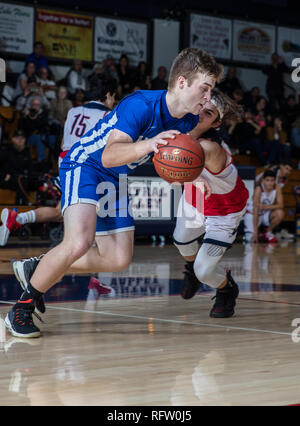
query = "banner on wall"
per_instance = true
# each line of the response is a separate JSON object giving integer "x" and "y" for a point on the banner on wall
{"x": 65, "y": 35}
{"x": 253, "y": 42}
{"x": 16, "y": 28}
{"x": 288, "y": 44}
{"x": 114, "y": 37}
{"x": 211, "y": 34}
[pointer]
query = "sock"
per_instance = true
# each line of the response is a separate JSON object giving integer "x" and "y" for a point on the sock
{"x": 26, "y": 217}
{"x": 30, "y": 295}
{"x": 190, "y": 265}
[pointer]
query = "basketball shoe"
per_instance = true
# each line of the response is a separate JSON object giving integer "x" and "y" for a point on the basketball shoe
{"x": 19, "y": 320}
{"x": 23, "y": 270}
{"x": 270, "y": 237}
{"x": 100, "y": 288}
{"x": 225, "y": 299}
{"x": 9, "y": 225}
{"x": 190, "y": 284}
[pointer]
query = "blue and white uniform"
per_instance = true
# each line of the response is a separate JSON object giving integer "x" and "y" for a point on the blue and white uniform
{"x": 141, "y": 115}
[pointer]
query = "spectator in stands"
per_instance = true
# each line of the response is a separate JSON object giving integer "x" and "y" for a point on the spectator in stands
{"x": 160, "y": 82}
{"x": 60, "y": 106}
{"x": 48, "y": 85}
{"x": 251, "y": 97}
{"x": 35, "y": 124}
{"x": 276, "y": 134}
{"x": 261, "y": 112}
{"x": 32, "y": 90}
{"x": 238, "y": 96}
{"x": 142, "y": 76}
{"x": 37, "y": 56}
{"x": 75, "y": 78}
{"x": 231, "y": 82}
{"x": 291, "y": 112}
{"x": 79, "y": 97}
{"x": 29, "y": 73}
{"x": 275, "y": 83}
{"x": 15, "y": 161}
{"x": 110, "y": 69}
{"x": 95, "y": 79}
{"x": 125, "y": 75}
{"x": 247, "y": 136}
{"x": 8, "y": 90}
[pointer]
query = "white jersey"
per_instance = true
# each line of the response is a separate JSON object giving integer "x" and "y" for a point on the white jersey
{"x": 267, "y": 198}
{"x": 80, "y": 120}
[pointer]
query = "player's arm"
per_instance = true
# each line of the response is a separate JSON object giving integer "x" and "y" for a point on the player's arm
{"x": 121, "y": 150}
{"x": 215, "y": 155}
{"x": 256, "y": 205}
{"x": 278, "y": 204}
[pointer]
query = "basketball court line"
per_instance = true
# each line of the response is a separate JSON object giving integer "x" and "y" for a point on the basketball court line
{"x": 170, "y": 321}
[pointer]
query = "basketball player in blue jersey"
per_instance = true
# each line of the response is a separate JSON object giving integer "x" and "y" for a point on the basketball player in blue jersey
{"x": 97, "y": 165}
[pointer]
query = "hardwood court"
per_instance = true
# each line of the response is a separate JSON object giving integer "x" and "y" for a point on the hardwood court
{"x": 147, "y": 346}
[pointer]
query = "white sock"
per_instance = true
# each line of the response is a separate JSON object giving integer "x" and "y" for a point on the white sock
{"x": 26, "y": 217}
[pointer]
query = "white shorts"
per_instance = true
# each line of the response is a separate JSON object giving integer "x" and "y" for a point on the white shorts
{"x": 263, "y": 219}
{"x": 218, "y": 230}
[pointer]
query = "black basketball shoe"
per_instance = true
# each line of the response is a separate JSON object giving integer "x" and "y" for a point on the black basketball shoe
{"x": 19, "y": 320}
{"x": 23, "y": 270}
{"x": 225, "y": 299}
{"x": 190, "y": 284}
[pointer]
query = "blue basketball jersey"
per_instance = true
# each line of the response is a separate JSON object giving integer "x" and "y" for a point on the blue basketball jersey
{"x": 141, "y": 115}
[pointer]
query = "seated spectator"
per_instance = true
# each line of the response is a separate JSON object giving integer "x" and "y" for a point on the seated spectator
{"x": 60, "y": 106}
{"x": 291, "y": 112}
{"x": 37, "y": 56}
{"x": 96, "y": 77}
{"x": 110, "y": 69}
{"x": 8, "y": 90}
{"x": 29, "y": 72}
{"x": 247, "y": 136}
{"x": 265, "y": 209}
{"x": 231, "y": 82}
{"x": 35, "y": 123}
{"x": 160, "y": 82}
{"x": 79, "y": 98}
{"x": 48, "y": 85}
{"x": 75, "y": 78}
{"x": 125, "y": 75}
{"x": 251, "y": 98}
{"x": 142, "y": 76}
{"x": 32, "y": 90}
{"x": 275, "y": 83}
{"x": 275, "y": 134}
{"x": 238, "y": 96}
{"x": 15, "y": 161}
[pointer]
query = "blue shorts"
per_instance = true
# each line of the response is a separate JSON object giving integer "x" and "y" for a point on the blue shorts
{"x": 87, "y": 183}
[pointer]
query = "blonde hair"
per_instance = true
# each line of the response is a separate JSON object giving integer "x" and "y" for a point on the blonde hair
{"x": 227, "y": 108}
{"x": 189, "y": 62}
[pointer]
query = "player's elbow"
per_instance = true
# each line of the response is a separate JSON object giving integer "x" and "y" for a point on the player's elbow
{"x": 107, "y": 159}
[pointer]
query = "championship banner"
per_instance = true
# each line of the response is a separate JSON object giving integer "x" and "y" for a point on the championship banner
{"x": 214, "y": 35}
{"x": 65, "y": 35}
{"x": 253, "y": 42}
{"x": 288, "y": 44}
{"x": 114, "y": 37}
{"x": 16, "y": 28}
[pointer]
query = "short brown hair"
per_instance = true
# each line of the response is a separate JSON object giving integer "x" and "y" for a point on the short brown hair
{"x": 189, "y": 62}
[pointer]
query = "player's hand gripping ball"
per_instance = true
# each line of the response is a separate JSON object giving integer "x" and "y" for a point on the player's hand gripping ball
{"x": 182, "y": 160}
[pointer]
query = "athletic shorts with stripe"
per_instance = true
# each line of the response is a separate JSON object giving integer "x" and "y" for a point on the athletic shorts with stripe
{"x": 87, "y": 183}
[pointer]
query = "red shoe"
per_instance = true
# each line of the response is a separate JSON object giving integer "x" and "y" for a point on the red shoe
{"x": 101, "y": 288}
{"x": 9, "y": 224}
{"x": 270, "y": 237}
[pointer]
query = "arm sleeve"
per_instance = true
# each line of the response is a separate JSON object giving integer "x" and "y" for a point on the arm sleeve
{"x": 134, "y": 116}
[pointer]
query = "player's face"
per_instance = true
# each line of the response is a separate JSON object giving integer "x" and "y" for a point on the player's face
{"x": 208, "y": 117}
{"x": 198, "y": 93}
{"x": 286, "y": 170}
{"x": 269, "y": 183}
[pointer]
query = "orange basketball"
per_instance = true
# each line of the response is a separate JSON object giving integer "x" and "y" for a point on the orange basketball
{"x": 182, "y": 160}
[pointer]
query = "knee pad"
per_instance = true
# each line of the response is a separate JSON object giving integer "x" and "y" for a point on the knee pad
{"x": 206, "y": 263}
{"x": 187, "y": 249}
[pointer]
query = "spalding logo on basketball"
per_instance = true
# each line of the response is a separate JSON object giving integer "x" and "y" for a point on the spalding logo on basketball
{"x": 182, "y": 160}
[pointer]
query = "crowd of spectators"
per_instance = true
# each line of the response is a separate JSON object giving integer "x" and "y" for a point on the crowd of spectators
{"x": 269, "y": 128}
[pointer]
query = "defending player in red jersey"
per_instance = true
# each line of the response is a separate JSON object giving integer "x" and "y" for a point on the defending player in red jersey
{"x": 223, "y": 211}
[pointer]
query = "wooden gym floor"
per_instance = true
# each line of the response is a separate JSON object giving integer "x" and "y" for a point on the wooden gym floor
{"x": 147, "y": 346}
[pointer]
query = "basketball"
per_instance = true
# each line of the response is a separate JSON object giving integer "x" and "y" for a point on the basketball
{"x": 182, "y": 160}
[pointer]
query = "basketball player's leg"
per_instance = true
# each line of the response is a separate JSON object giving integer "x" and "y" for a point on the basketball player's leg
{"x": 48, "y": 214}
{"x": 276, "y": 217}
